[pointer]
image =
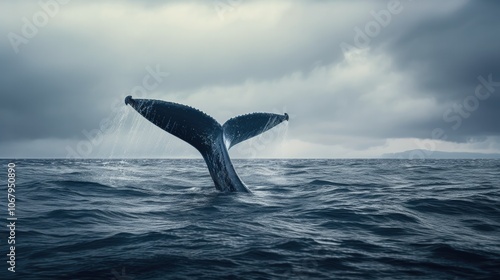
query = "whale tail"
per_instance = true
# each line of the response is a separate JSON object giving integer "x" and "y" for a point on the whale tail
{"x": 187, "y": 123}
{"x": 241, "y": 128}
{"x": 197, "y": 128}
{"x": 205, "y": 134}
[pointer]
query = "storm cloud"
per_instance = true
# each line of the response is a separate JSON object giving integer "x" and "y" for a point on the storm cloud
{"x": 409, "y": 76}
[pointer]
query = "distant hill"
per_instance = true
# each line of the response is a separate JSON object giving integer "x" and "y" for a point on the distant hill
{"x": 426, "y": 154}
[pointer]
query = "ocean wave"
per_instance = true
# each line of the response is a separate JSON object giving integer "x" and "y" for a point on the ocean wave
{"x": 306, "y": 219}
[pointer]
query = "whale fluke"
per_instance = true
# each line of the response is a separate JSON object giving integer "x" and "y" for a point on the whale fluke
{"x": 241, "y": 128}
{"x": 205, "y": 134}
{"x": 184, "y": 122}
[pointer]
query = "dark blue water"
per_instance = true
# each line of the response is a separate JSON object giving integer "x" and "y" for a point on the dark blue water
{"x": 306, "y": 219}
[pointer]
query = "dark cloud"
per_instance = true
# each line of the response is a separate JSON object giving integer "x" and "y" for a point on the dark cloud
{"x": 264, "y": 55}
{"x": 46, "y": 101}
{"x": 446, "y": 55}
{"x": 59, "y": 82}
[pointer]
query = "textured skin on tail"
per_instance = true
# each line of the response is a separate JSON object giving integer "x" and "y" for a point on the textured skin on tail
{"x": 207, "y": 135}
{"x": 184, "y": 122}
{"x": 241, "y": 128}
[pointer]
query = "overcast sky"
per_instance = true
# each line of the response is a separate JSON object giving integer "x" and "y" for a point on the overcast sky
{"x": 358, "y": 78}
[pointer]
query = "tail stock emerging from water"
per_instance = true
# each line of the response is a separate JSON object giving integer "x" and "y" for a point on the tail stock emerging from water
{"x": 205, "y": 134}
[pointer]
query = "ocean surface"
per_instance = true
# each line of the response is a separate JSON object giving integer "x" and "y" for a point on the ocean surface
{"x": 305, "y": 219}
